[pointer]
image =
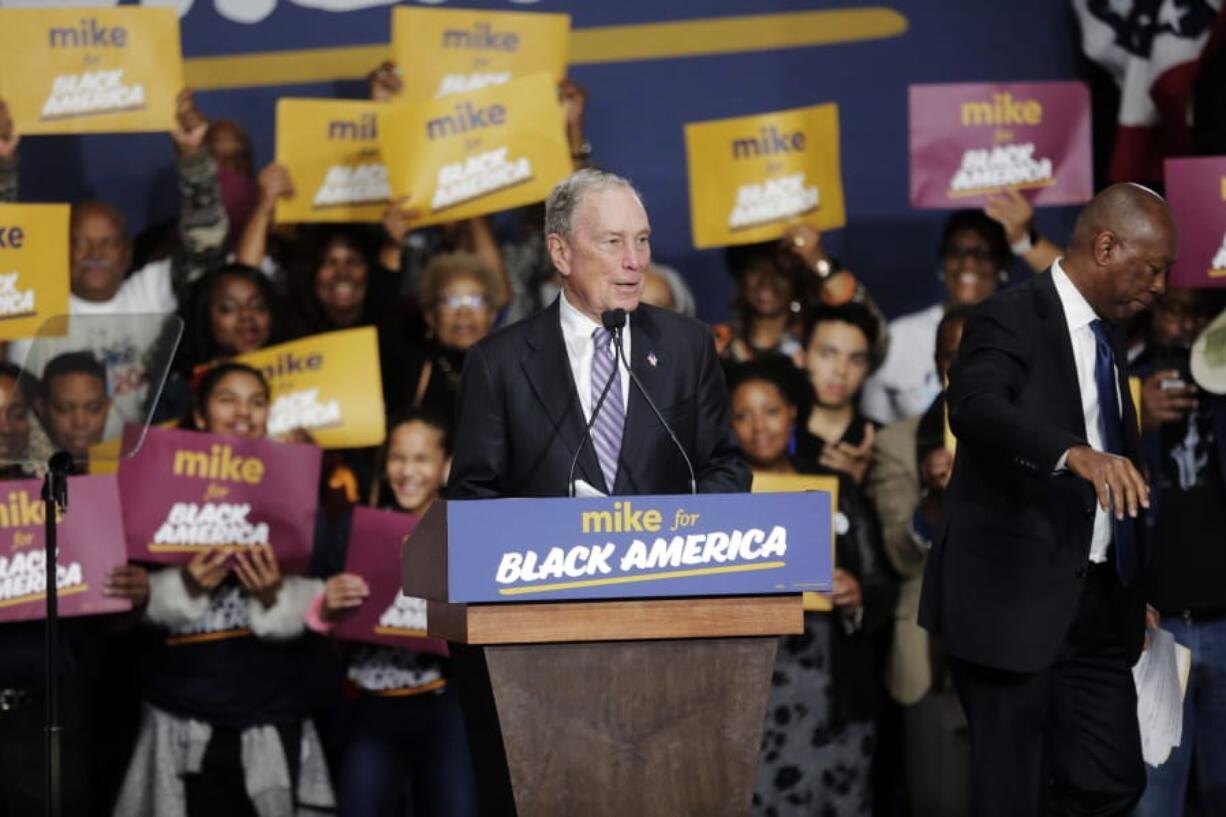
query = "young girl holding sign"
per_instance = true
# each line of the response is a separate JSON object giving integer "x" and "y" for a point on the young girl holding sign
{"x": 224, "y": 730}
{"x": 406, "y": 724}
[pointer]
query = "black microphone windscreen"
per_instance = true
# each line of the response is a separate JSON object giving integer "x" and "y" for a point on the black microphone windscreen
{"x": 613, "y": 319}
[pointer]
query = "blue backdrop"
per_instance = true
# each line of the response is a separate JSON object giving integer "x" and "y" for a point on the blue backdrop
{"x": 636, "y": 112}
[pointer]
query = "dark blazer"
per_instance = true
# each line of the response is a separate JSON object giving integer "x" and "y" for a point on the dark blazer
{"x": 520, "y": 421}
{"x": 1003, "y": 582}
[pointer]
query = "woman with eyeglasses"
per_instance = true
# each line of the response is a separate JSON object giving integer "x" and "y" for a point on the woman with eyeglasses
{"x": 457, "y": 296}
{"x": 974, "y": 259}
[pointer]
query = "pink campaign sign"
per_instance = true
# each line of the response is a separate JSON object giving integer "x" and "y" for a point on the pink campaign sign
{"x": 186, "y": 490}
{"x": 90, "y": 541}
{"x": 971, "y": 140}
{"x": 387, "y": 616}
{"x": 1196, "y": 190}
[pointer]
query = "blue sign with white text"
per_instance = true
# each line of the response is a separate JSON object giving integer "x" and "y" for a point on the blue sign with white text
{"x": 639, "y": 547}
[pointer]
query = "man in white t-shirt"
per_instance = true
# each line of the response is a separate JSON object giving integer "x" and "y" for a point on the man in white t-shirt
{"x": 101, "y": 286}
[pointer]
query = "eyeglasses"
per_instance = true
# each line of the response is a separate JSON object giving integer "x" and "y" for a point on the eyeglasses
{"x": 461, "y": 301}
{"x": 971, "y": 253}
{"x": 106, "y": 243}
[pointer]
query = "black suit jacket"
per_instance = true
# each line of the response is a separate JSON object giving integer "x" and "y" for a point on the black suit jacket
{"x": 520, "y": 420}
{"x": 1004, "y": 578}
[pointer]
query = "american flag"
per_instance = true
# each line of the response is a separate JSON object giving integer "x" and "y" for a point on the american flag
{"x": 1153, "y": 49}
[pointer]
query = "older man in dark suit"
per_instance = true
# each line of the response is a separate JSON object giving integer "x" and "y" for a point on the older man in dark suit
{"x": 529, "y": 391}
{"x": 1035, "y": 581}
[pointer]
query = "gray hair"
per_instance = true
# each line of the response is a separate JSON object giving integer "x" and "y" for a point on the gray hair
{"x": 564, "y": 199}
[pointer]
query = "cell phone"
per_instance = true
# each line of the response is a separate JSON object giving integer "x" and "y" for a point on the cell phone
{"x": 1168, "y": 383}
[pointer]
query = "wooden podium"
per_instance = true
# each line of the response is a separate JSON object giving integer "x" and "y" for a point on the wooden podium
{"x": 611, "y": 706}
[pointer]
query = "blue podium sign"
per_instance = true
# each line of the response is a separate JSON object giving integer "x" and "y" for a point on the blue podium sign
{"x": 508, "y": 550}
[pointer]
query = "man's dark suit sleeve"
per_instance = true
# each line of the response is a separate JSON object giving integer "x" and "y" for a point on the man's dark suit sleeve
{"x": 718, "y": 467}
{"x": 988, "y": 376}
{"x": 479, "y": 462}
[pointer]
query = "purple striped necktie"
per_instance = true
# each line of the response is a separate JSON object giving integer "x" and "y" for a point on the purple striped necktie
{"x": 611, "y": 421}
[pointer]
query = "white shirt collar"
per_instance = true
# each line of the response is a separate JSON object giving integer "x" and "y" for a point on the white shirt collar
{"x": 1077, "y": 310}
{"x": 576, "y": 326}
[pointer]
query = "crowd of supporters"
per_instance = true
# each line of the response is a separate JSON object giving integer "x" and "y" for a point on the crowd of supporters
{"x": 286, "y": 718}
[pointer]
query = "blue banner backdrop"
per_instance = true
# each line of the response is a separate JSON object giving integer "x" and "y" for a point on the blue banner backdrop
{"x": 861, "y": 57}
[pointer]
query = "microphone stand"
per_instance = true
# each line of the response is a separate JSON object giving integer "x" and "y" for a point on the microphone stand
{"x": 55, "y": 499}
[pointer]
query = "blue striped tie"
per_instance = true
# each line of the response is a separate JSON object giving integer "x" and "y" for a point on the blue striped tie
{"x": 611, "y": 421}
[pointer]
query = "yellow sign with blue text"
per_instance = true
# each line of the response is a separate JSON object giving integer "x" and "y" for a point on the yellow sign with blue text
{"x": 331, "y": 150}
{"x": 442, "y": 52}
{"x": 767, "y": 483}
{"x": 327, "y": 385}
{"x": 751, "y": 177}
{"x": 472, "y": 154}
{"x": 33, "y": 267}
{"x": 90, "y": 70}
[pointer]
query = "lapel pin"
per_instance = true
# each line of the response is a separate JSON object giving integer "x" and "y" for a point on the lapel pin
{"x": 652, "y": 359}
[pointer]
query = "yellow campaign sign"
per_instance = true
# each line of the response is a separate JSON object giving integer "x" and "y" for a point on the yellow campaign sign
{"x": 90, "y": 70}
{"x": 464, "y": 156}
{"x": 456, "y": 51}
{"x": 767, "y": 483}
{"x": 331, "y": 149}
{"x": 752, "y": 177}
{"x": 33, "y": 267}
{"x": 328, "y": 385}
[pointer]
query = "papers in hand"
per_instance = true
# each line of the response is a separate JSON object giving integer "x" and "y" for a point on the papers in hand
{"x": 1161, "y": 677}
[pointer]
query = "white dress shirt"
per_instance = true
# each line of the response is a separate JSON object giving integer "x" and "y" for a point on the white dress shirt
{"x": 907, "y": 382}
{"x": 577, "y": 331}
{"x": 1079, "y": 315}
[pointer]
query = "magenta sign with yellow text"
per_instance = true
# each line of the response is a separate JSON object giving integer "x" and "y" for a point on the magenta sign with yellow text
{"x": 90, "y": 540}
{"x": 387, "y": 616}
{"x": 1196, "y": 190}
{"x": 971, "y": 140}
{"x": 186, "y": 491}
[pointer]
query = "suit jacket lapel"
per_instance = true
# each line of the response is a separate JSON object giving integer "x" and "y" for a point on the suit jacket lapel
{"x": 547, "y": 367}
{"x": 655, "y": 377}
{"x": 1060, "y": 345}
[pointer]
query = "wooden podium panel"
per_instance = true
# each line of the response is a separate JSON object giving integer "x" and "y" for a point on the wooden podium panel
{"x": 534, "y": 623}
{"x": 610, "y": 729}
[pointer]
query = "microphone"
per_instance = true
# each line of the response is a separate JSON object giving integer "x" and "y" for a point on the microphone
{"x": 607, "y": 318}
{"x": 618, "y": 317}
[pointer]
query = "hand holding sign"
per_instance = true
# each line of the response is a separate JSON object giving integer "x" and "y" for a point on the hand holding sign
{"x": 190, "y": 125}
{"x": 129, "y": 582}
{"x": 398, "y": 220}
{"x": 1012, "y": 211}
{"x": 259, "y": 572}
{"x": 206, "y": 570}
{"x": 343, "y": 592}
{"x": 846, "y": 594}
{"x": 275, "y": 183}
{"x": 385, "y": 82}
{"x": 8, "y": 134}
